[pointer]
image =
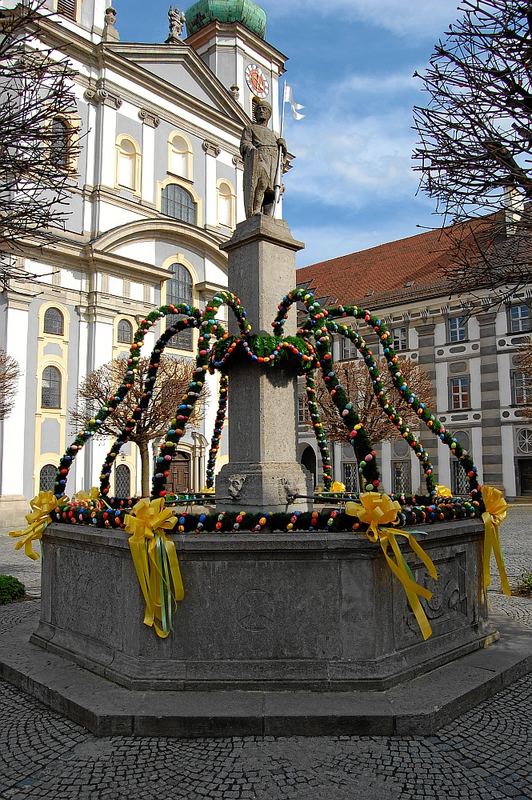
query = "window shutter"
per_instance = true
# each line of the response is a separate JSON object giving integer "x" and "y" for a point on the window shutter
{"x": 67, "y": 8}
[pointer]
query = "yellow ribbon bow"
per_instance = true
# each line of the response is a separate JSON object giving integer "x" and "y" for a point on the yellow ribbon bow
{"x": 379, "y": 509}
{"x": 85, "y": 497}
{"x": 496, "y": 508}
{"x": 443, "y": 491}
{"x": 38, "y": 520}
{"x": 155, "y": 561}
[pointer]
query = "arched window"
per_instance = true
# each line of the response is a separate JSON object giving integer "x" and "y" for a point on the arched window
{"x": 179, "y": 156}
{"x": 51, "y": 388}
{"x": 54, "y": 322}
{"x": 179, "y": 290}
{"x": 60, "y": 142}
{"x": 176, "y": 202}
{"x": 226, "y": 205}
{"x": 67, "y": 8}
{"x": 47, "y": 478}
{"x": 127, "y": 163}
{"x": 125, "y": 332}
{"x": 122, "y": 481}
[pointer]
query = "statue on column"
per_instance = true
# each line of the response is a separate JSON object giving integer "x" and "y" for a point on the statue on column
{"x": 176, "y": 21}
{"x": 264, "y": 155}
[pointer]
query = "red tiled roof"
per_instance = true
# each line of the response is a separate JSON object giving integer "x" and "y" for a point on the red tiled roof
{"x": 402, "y": 269}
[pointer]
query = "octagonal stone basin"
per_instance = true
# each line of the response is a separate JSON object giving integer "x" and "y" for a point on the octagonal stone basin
{"x": 315, "y": 611}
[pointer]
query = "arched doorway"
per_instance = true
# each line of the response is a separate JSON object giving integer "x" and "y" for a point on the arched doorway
{"x": 308, "y": 460}
{"x": 178, "y": 481}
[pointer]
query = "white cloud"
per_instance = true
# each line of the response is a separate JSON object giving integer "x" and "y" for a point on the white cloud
{"x": 349, "y": 162}
{"x": 379, "y": 84}
{"x": 424, "y": 17}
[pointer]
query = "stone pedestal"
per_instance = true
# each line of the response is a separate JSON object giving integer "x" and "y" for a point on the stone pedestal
{"x": 305, "y": 611}
{"x": 263, "y": 472}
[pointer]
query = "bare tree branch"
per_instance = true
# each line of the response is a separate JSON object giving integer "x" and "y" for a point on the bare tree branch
{"x": 9, "y": 375}
{"x": 475, "y": 137}
{"x": 357, "y": 382}
{"x": 39, "y": 136}
{"x": 173, "y": 379}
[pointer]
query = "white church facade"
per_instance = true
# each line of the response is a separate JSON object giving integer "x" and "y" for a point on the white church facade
{"x": 158, "y": 189}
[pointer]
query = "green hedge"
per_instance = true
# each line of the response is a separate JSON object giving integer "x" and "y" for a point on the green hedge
{"x": 10, "y": 589}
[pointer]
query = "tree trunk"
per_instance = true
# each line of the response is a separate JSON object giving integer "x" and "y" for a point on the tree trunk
{"x": 145, "y": 468}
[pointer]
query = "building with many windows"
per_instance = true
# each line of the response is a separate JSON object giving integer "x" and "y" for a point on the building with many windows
{"x": 158, "y": 189}
{"x": 468, "y": 349}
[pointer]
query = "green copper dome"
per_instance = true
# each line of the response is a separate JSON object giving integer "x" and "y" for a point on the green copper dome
{"x": 244, "y": 11}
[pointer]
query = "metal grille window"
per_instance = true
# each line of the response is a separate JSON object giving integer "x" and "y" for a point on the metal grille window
{"x": 401, "y": 477}
{"x": 60, "y": 141}
{"x": 51, "y": 388}
{"x": 176, "y": 202}
{"x": 350, "y": 476}
{"x": 125, "y": 332}
{"x": 456, "y": 329}
{"x": 459, "y": 395}
{"x": 519, "y": 318}
{"x": 47, "y": 478}
{"x": 53, "y": 322}
{"x": 67, "y": 8}
{"x": 521, "y": 389}
{"x": 122, "y": 481}
{"x": 179, "y": 290}
{"x": 348, "y": 350}
{"x": 459, "y": 479}
{"x": 400, "y": 338}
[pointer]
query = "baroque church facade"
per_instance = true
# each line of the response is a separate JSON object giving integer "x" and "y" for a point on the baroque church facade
{"x": 158, "y": 189}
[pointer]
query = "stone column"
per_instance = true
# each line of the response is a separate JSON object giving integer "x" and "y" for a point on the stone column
{"x": 426, "y": 360}
{"x": 263, "y": 471}
{"x": 490, "y": 402}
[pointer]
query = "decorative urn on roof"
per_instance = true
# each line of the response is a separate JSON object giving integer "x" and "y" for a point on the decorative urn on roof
{"x": 246, "y": 12}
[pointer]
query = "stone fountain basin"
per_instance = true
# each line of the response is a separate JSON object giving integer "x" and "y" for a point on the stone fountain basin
{"x": 314, "y": 611}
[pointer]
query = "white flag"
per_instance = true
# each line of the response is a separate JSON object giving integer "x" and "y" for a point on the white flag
{"x": 288, "y": 97}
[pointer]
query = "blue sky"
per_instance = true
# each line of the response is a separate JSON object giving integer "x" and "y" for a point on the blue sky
{"x": 350, "y": 64}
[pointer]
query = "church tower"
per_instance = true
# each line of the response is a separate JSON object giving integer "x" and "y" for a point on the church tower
{"x": 89, "y": 15}
{"x": 229, "y": 35}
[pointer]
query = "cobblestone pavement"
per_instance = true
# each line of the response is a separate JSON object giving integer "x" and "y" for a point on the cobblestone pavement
{"x": 486, "y": 754}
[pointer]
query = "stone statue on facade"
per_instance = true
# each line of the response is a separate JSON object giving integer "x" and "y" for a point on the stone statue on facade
{"x": 264, "y": 155}
{"x": 176, "y": 21}
{"x": 110, "y": 32}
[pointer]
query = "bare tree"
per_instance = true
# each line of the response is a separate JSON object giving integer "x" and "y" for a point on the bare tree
{"x": 475, "y": 141}
{"x": 39, "y": 138}
{"x": 357, "y": 382}
{"x": 173, "y": 379}
{"x": 9, "y": 375}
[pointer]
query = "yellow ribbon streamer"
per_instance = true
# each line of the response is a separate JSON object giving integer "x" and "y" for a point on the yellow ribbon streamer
{"x": 496, "y": 509}
{"x": 379, "y": 509}
{"x": 155, "y": 561}
{"x": 443, "y": 491}
{"x": 38, "y": 520}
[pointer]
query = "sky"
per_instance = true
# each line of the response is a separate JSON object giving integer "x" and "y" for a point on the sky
{"x": 351, "y": 64}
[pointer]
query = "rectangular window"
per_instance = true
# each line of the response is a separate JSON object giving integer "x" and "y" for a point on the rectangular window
{"x": 456, "y": 329}
{"x": 303, "y": 416}
{"x": 400, "y": 338}
{"x": 348, "y": 350}
{"x": 521, "y": 389}
{"x": 459, "y": 396}
{"x": 519, "y": 318}
{"x": 350, "y": 476}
